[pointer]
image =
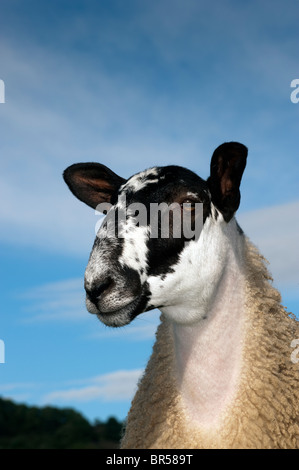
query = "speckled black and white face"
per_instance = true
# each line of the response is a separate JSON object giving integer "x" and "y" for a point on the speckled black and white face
{"x": 137, "y": 268}
{"x": 127, "y": 272}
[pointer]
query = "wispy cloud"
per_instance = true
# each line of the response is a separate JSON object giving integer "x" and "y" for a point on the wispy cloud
{"x": 115, "y": 386}
{"x": 56, "y": 301}
{"x": 18, "y": 391}
{"x": 64, "y": 301}
{"x": 165, "y": 111}
{"x": 13, "y": 386}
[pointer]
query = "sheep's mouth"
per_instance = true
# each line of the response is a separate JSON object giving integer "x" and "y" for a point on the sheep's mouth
{"x": 121, "y": 316}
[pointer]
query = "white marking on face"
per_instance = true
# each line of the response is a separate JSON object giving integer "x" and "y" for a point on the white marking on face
{"x": 140, "y": 181}
{"x": 134, "y": 254}
{"x": 201, "y": 263}
{"x": 215, "y": 212}
{"x": 190, "y": 194}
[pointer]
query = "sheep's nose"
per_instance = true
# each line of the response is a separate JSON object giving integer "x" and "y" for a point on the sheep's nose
{"x": 94, "y": 292}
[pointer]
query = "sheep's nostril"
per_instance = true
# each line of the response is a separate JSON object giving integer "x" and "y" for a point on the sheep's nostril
{"x": 97, "y": 290}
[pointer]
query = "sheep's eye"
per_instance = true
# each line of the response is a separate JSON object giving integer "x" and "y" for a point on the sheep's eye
{"x": 188, "y": 205}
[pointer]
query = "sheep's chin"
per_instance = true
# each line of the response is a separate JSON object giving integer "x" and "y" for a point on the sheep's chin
{"x": 120, "y": 317}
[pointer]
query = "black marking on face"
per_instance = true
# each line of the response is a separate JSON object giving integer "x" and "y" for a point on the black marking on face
{"x": 164, "y": 253}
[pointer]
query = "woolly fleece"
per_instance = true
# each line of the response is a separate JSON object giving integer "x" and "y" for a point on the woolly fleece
{"x": 265, "y": 411}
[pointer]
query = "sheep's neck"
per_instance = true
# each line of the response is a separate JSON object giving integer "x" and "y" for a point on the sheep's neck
{"x": 209, "y": 354}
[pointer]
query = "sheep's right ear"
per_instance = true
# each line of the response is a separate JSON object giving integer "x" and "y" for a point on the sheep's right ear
{"x": 227, "y": 167}
{"x": 92, "y": 183}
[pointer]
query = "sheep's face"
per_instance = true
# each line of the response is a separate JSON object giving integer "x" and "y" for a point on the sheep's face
{"x": 141, "y": 241}
{"x": 153, "y": 242}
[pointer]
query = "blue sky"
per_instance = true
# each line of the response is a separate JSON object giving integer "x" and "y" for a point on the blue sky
{"x": 131, "y": 84}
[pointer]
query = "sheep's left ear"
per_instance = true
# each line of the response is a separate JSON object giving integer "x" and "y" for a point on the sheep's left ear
{"x": 227, "y": 167}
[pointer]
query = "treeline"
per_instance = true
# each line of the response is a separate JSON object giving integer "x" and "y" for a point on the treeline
{"x": 30, "y": 427}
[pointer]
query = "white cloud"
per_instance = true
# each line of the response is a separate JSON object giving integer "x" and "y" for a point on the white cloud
{"x": 65, "y": 301}
{"x": 109, "y": 115}
{"x": 115, "y": 386}
{"x": 116, "y": 123}
{"x": 17, "y": 391}
{"x": 11, "y": 387}
{"x": 56, "y": 301}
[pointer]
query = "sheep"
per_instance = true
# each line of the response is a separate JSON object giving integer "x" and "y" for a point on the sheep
{"x": 221, "y": 373}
